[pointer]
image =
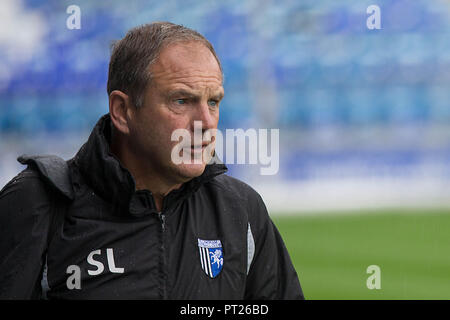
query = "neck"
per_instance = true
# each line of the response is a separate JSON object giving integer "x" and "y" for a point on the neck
{"x": 145, "y": 176}
{"x": 149, "y": 181}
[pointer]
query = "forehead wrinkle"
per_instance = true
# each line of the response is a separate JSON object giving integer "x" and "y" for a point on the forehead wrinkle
{"x": 167, "y": 71}
{"x": 171, "y": 75}
{"x": 196, "y": 93}
{"x": 192, "y": 54}
{"x": 168, "y": 76}
{"x": 190, "y": 83}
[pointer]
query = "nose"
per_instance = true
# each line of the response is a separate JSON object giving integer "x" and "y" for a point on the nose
{"x": 208, "y": 117}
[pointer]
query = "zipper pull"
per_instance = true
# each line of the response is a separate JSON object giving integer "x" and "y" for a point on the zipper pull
{"x": 162, "y": 218}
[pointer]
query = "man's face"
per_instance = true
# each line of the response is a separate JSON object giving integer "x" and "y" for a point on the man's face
{"x": 186, "y": 86}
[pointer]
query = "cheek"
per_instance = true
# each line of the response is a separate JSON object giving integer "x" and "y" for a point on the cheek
{"x": 174, "y": 122}
{"x": 156, "y": 129}
{"x": 148, "y": 133}
{"x": 163, "y": 130}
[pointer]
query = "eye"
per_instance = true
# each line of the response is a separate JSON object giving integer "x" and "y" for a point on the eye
{"x": 180, "y": 101}
{"x": 213, "y": 103}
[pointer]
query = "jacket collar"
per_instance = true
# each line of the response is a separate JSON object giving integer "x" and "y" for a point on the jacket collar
{"x": 109, "y": 179}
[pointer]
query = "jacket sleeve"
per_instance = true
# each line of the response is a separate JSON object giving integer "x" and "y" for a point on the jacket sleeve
{"x": 24, "y": 225}
{"x": 271, "y": 274}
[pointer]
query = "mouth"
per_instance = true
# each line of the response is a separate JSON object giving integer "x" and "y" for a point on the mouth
{"x": 199, "y": 148}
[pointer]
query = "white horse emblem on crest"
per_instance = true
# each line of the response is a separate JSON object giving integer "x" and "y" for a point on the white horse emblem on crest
{"x": 217, "y": 257}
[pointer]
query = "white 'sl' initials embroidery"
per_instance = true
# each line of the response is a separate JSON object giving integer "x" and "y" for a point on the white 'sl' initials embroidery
{"x": 74, "y": 271}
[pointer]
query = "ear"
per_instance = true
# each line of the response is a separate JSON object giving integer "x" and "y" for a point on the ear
{"x": 119, "y": 110}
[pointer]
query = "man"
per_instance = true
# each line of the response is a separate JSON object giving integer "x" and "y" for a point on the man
{"x": 122, "y": 220}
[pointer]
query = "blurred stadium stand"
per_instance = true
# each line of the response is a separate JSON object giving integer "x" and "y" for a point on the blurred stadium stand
{"x": 364, "y": 115}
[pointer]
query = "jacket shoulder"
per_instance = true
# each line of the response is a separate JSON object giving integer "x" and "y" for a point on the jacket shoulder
{"x": 245, "y": 195}
{"x": 237, "y": 188}
{"x": 53, "y": 170}
{"x": 33, "y": 190}
{"x": 19, "y": 190}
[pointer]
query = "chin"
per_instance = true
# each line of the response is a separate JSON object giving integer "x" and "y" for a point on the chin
{"x": 190, "y": 171}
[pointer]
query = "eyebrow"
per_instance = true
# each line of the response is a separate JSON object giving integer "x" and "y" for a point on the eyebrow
{"x": 185, "y": 93}
{"x": 218, "y": 95}
{"x": 181, "y": 92}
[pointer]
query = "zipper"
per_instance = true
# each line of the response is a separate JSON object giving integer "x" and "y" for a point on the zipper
{"x": 162, "y": 219}
{"x": 163, "y": 267}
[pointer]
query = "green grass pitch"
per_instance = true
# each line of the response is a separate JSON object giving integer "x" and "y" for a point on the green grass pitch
{"x": 331, "y": 253}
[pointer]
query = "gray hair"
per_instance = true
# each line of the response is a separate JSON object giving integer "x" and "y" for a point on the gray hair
{"x": 132, "y": 56}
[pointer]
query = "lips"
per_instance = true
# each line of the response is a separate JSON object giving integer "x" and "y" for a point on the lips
{"x": 197, "y": 149}
{"x": 200, "y": 146}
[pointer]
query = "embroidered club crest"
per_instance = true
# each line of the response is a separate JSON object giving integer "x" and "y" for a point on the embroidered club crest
{"x": 211, "y": 256}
